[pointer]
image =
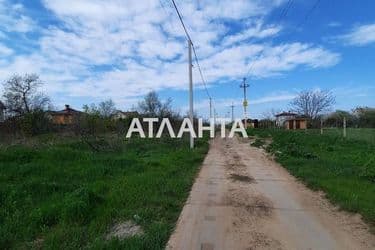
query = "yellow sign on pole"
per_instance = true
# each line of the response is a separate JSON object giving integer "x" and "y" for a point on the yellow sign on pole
{"x": 245, "y": 103}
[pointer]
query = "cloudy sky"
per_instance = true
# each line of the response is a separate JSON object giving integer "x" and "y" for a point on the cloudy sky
{"x": 91, "y": 50}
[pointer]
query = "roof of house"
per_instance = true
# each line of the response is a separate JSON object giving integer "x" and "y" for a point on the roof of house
{"x": 67, "y": 111}
{"x": 286, "y": 114}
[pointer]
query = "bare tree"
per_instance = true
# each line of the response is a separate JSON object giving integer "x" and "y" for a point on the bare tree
{"x": 152, "y": 106}
{"x": 270, "y": 114}
{"x": 104, "y": 109}
{"x": 21, "y": 95}
{"x": 312, "y": 103}
{"x": 107, "y": 108}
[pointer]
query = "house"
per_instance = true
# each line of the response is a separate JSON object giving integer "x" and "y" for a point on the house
{"x": 251, "y": 123}
{"x": 123, "y": 115}
{"x": 2, "y": 112}
{"x": 290, "y": 120}
{"x": 67, "y": 116}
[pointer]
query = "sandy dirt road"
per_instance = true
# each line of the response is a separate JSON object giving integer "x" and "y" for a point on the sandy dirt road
{"x": 242, "y": 199}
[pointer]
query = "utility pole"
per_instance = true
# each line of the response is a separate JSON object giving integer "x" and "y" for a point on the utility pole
{"x": 244, "y": 86}
{"x": 344, "y": 125}
{"x": 215, "y": 116}
{"x": 191, "y": 109}
{"x": 232, "y": 106}
{"x": 210, "y": 107}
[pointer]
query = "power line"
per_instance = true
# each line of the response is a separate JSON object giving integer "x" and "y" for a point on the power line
{"x": 194, "y": 50}
{"x": 282, "y": 15}
{"x": 308, "y": 14}
{"x": 200, "y": 72}
{"x": 182, "y": 21}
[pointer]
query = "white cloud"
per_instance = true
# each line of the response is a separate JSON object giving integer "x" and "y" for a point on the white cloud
{"x": 5, "y": 51}
{"x": 361, "y": 35}
{"x": 111, "y": 49}
{"x": 255, "y": 30}
{"x": 13, "y": 19}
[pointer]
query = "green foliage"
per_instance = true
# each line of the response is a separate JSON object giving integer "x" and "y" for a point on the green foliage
{"x": 335, "y": 119}
{"x": 368, "y": 169}
{"x": 35, "y": 123}
{"x": 258, "y": 143}
{"x": 343, "y": 168}
{"x": 366, "y": 117}
{"x": 78, "y": 205}
{"x": 64, "y": 196}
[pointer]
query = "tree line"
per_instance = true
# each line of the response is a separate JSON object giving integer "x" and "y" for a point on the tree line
{"x": 318, "y": 106}
{"x": 27, "y": 111}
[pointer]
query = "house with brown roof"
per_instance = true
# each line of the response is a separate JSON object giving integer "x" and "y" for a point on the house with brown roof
{"x": 290, "y": 120}
{"x": 67, "y": 116}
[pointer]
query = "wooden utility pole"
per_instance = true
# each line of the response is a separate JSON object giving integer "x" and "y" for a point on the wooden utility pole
{"x": 191, "y": 108}
{"x": 210, "y": 108}
{"x": 244, "y": 86}
{"x": 321, "y": 126}
{"x": 344, "y": 125}
{"x": 215, "y": 114}
{"x": 232, "y": 106}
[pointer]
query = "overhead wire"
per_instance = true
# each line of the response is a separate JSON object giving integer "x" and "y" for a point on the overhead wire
{"x": 188, "y": 37}
{"x": 282, "y": 15}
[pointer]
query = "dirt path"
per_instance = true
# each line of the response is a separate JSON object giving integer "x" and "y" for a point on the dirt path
{"x": 243, "y": 200}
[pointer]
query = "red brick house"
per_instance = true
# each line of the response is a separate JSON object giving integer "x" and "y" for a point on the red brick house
{"x": 67, "y": 116}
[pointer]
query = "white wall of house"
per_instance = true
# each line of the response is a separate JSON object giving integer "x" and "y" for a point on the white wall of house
{"x": 119, "y": 115}
{"x": 280, "y": 120}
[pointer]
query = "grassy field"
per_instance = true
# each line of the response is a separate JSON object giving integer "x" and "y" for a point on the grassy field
{"x": 61, "y": 195}
{"x": 343, "y": 168}
{"x": 363, "y": 134}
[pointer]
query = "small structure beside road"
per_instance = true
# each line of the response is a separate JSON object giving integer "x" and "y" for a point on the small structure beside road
{"x": 67, "y": 116}
{"x": 289, "y": 120}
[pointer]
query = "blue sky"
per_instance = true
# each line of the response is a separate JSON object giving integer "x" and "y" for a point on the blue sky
{"x": 89, "y": 50}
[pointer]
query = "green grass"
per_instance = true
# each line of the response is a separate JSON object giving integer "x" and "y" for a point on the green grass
{"x": 65, "y": 196}
{"x": 363, "y": 134}
{"x": 258, "y": 143}
{"x": 343, "y": 168}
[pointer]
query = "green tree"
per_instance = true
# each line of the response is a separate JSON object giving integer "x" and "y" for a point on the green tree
{"x": 365, "y": 116}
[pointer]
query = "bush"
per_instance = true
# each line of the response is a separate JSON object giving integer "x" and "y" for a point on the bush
{"x": 35, "y": 123}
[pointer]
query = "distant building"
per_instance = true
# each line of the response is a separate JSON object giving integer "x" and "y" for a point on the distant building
{"x": 123, "y": 115}
{"x": 66, "y": 116}
{"x": 2, "y": 112}
{"x": 251, "y": 123}
{"x": 289, "y": 120}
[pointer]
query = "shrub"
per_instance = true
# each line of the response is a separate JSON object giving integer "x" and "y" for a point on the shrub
{"x": 35, "y": 123}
